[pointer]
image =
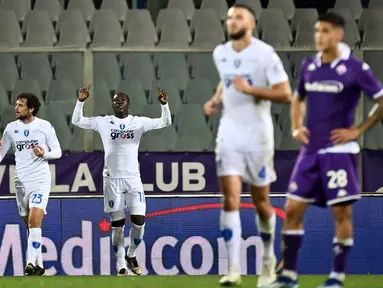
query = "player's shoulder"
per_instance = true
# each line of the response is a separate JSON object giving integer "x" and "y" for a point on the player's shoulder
{"x": 43, "y": 122}
{"x": 12, "y": 124}
{"x": 358, "y": 64}
{"x": 221, "y": 49}
{"x": 261, "y": 47}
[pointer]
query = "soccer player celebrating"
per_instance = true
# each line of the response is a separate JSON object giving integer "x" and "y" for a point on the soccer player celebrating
{"x": 121, "y": 134}
{"x": 326, "y": 171}
{"x": 251, "y": 75}
{"x": 34, "y": 142}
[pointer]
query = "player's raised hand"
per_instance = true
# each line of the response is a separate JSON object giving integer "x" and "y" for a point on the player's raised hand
{"x": 242, "y": 85}
{"x": 342, "y": 136}
{"x": 162, "y": 95}
{"x": 83, "y": 93}
{"x": 39, "y": 151}
{"x": 301, "y": 135}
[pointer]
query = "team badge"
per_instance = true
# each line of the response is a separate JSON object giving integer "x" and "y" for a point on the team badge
{"x": 111, "y": 203}
{"x": 341, "y": 69}
{"x": 122, "y": 126}
{"x": 26, "y": 132}
{"x": 293, "y": 187}
{"x": 237, "y": 63}
{"x": 311, "y": 67}
{"x": 365, "y": 67}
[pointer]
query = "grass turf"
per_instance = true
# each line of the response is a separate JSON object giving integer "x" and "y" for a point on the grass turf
{"x": 353, "y": 281}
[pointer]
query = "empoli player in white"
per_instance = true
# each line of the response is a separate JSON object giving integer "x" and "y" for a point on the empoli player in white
{"x": 251, "y": 75}
{"x": 34, "y": 142}
{"x": 121, "y": 134}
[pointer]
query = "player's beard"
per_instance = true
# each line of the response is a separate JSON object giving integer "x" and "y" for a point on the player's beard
{"x": 239, "y": 35}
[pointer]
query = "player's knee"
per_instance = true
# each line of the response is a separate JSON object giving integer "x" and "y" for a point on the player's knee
{"x": 343, "y": 213}
{"x": 34, "y": 222}
{"x": 293, "y": 217}
{"x": 231, "y": 202}
{"x": 118, "y": 223}
{"x": 138, "y": 220}
{"x": 117, "y": 218}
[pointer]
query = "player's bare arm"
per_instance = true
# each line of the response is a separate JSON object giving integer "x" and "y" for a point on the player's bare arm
{"x": 280, "y": 92}
{"x": 298, "y": 110}
{"x": 342, "y": 136}
{"x": 212, "y": 106}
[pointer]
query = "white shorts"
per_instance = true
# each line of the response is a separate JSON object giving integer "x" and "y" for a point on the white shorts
{"x": 122, "y": 193}
{"x": 32, "y": 195}
{"x": 256, "y": 167}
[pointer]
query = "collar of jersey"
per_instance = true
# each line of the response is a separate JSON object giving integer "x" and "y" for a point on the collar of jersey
{"x": 345, "y": 53}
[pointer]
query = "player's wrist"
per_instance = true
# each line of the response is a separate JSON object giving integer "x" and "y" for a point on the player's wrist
{"x": 295, "y": 131}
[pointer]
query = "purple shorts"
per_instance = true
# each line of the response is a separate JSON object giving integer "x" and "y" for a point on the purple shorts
{"x": 325, "y": 179}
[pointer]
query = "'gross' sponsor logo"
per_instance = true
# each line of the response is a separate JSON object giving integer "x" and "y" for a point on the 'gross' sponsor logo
{"x": 124, "y": 134}
{"x": 26, "y": 145}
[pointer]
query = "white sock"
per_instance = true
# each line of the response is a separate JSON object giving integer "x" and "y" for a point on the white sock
{"x": 34, "y": 246}
{"x": 136, "y": 234}
{"x": 267, "y": 231}
{"x": 232, "y": 231}
{"x": 118, "y": 242}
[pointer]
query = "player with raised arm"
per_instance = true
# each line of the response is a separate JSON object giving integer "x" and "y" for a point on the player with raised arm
{"x": 325, "y": 173}
{"x": 34, "y": 142}
{"x": 120, "y": 134}
{"x": 252, "y": 75}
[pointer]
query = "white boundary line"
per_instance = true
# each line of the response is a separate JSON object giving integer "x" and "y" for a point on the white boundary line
{"x": 205, "y": 195}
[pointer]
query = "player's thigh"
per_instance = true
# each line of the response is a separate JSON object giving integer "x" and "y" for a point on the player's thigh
{"x": 260, "y": 170}
{"x": 230, "y": 162}
{"x": 114, "y": 195}
{"x": 38, "y": 201}
{"x": 305, "y": 181}
{"x": 135, "y": 196}
{"x": 22, "y": 200}
{"x": 340, "y": 177}
{"x": 231, "y": 187}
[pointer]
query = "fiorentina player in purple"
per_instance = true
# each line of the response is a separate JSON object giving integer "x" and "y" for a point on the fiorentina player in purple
{"x": 325, "y": 173}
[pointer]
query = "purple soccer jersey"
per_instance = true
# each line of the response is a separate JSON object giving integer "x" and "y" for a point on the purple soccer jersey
{"x": 324, "y": 173}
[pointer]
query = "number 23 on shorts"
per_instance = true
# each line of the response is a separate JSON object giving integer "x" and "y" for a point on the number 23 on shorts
{"x": 37, "y": 198}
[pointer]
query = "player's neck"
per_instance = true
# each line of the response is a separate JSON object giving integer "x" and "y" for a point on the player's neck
{"x": 121, "y": 115}
{"x": 330, "y": 55}
{"x": 241, "y": 44}
{"x": 28, "y": 119}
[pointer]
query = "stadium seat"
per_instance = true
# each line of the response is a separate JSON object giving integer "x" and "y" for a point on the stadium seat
{"x": 36, "y": 18}
{"x": 186, "y": 6}
{"x": 198, "y": 91}
{"x": 152, "y": 111}
{"x": 36, "y": 66}
{"x": 140, "y": 21}
{"x": 77, "y": 140}
{"x": 308, "y": 15}
{"x": 172, "y": 25}
{"x": 69, "y": 66}
{"x": 274, "y": 20}
{"x": 254, "y": 4}
{"x": 53, "y": 8}
{"x": 220, "y": 6}
{"x": 8, "y": 71}
{"x": 305, "y": 35}
{"x": 8, "y": 115}
{"x": 355, "y": 7}
{"x": 4, "y": 100}
{"x": 370, "y": 15}
{"x": 277, "y": 135}
{"x": 102, "y": 99}
{"x": 373, "y": 137}
{"x": 85, "y": 6}
{"x": 287, "y": 7}
{"x": 29, "y": 85}
{"x": 120, "y": 7}
{"x": 62, "y": 92}
{"x": 296, "y": 59}
{"x": 136, "y": 94}
{"x": 166, "y": 133}
{"x": 214, "y": 123}
{"x": 105, "y": 67}
{"x": 173, "y": 66}
{"x": 72, "y": 36}
{"x": 137, "y": 38}
{"x": 10, "y": 33}
{"x": 107, "y": 33}
{"x": 284, "y": 56}
{"x": 373, "y": 36}
{"x": 106, "y": 18}
{"x": 139, "y": 66}
{"x": 20, "y": 7}
{"x": 375, "y": 4}
{"x": 76, "y": 21}
{"x": 204, "y": 67}
{"x": 97, "y": 142}
{"x": 171, "y": 88}
{"x": 204, "y": 18}
{"x": 188, "y": 143}
{"x": 351, "y": 33}
{"x": 39, "y": 29}
{"x": 279, "y": 39}
{"x": 375, "y": 60}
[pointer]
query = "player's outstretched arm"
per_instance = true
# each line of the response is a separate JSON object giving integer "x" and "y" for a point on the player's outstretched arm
{"x": 5, "y": 144}
{"x": 214, "y": 104}
{"x": 166, "y": 117}
{"x": 78, "y": 118}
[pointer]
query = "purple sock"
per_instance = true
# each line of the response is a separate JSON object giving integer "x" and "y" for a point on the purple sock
{"x": 292, "y": 243}
{"x": 341, "y": 250}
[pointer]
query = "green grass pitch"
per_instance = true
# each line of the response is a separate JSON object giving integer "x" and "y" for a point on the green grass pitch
{"x": 353, "y": 281}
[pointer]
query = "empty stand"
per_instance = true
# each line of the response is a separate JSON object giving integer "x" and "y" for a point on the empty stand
{"x": 120, "y": 7}
{"x": 53, "y": 8}
{"x": 20, "y": 7}
{"x": 36, "y": 66}
{"x": 8, "y": 71}
{"x": 10, "y": 33}
{"x": 170, "y": 87}
{"x": 85, "y": 6}
{"x": 69, "y": 66}
{"x": 186, "y": 6}
{"x": 22, "y": 86}
{"x": 105, "y": 67}
{"x": 173, "y": 66}
{"x": 139, "y": 66}
{"x": 220, "y": 6}
{"x": 287, "y": 6}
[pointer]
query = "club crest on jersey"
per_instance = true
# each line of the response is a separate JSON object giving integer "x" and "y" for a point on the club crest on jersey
{"x": 122, "y": 126}
{"x": 237, "y": 63}
{"x": 341, "y": 69}
{"x": 111, "y": 203}
{"x": 26, "y": 132}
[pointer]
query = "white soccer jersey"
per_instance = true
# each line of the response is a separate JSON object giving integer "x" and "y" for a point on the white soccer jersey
{"x": 121, "y": 138}
{"x": 22, "y": 137}
{"x": 247, "y": 123}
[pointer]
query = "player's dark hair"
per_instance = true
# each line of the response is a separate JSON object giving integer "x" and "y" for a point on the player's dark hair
{"x": 247, "y": 7}
{"x": 32, "y": 101}
{"x": 333, "y": 18}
